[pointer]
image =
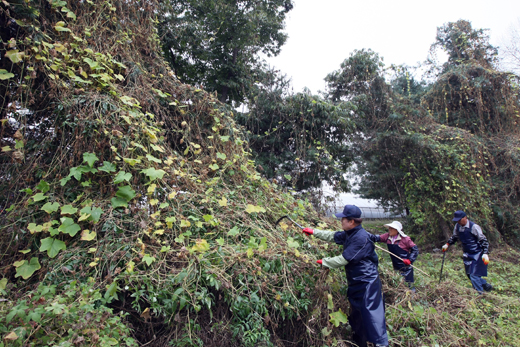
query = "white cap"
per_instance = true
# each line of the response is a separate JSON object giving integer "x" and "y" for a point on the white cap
{"x": 397, "y": 226}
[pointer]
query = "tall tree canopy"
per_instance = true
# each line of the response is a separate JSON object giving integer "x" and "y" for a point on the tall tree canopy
{"x": 217, "y": 43}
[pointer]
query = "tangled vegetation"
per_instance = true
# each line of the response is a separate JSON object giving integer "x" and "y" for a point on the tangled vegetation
{"x": 132, "y": 214}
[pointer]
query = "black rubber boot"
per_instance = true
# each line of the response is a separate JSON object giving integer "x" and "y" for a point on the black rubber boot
{"x": 487, "y": 287}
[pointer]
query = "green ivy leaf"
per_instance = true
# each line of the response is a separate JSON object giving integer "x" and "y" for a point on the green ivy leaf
{"x": 107, "y": 167}
{"x": 118, "y": 202}
{"x": 68, "y": 209}
{"x": 221, "y": 156}
{"x": 33, "y": 228}
{"x": 154, "y": 159}
{"x": 330, "y": 303}
{"x": 27, "y": 268}
{"x": 60, "y": 27}
{"x": 338, "y": 317}
{"x": 292, "y": 243}
{"x": 50, "y": 207}
{"x": 43, "y": 187}
{"x": 68, "y": 226}
{"x": 93, "y": 214}
{"x": 90, "y": 158}
{"x": 234, "y": 231}
{"x": 4, "y": 75}
{"x": 153, "y": 174}
{"x": 126, "y": 192}
{"x": 3, "y": 283}
{"x": 52, "y": 246}
{"x": 64, "y": 180}
{"x": 148, "y": 259}
{"x": 131, "y": 161}
{"x": 263, "y": 244}
{"x": 122, "y": 176}
{"x": 39, "y": 197}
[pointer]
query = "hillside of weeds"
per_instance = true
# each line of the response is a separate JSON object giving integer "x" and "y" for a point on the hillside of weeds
{"x": 131, "y": 213}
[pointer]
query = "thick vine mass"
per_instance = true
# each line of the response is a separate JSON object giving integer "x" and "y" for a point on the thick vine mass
{"x": 132, "y": 213}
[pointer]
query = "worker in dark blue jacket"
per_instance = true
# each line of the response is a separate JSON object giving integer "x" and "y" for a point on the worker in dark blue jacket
{"x": 475, "y": 247}
{"x": 367, "y": 312}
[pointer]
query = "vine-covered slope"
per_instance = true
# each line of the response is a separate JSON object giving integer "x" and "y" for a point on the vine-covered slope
{"x": 131, "y": 212}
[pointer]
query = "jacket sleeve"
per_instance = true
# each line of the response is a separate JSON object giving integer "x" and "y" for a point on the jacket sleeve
{"x": 454, "y": 238}
{"x": 334, "y": 262}
{"x": 414, "y": 252}
{"x": 481, "y": 238}
{"x": 384, "y": 237}
{"x": 373, "y": 238}
{"x": 484, "y": 244}
{"x": 324, "y": 235}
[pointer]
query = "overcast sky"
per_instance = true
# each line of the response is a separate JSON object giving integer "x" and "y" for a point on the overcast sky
{"x": 323, "y": 33}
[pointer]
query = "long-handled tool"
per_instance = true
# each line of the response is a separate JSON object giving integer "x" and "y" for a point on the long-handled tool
{"x": 442, "y": 266}
{"x": 384, "y": 250}
{"x": 289, "y": 218}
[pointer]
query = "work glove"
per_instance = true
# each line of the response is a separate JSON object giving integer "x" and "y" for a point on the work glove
{"x": 319, "y": 261}
{"x": 308, "y": 231}
{"x": 445, "y": 247}
{"x": 407, "y": 262}
{"x": 485, "y": 259}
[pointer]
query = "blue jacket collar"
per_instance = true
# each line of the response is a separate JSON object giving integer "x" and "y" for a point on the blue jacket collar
{"x": 353, "y": 230}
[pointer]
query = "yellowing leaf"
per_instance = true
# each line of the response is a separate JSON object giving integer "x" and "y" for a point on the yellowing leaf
{"x": 159, "y": 232}
{"x": 172, "y": 195}
{"x": 151, "y": 189}
{"x": 185, "y": 223}
{"x": 338, "y": 317}
{"x": 251, "y": 209}
{"x": 130, "y": 266}
{"x": 154, "y": 202}
{"x": 222, "y": 202}
{"x": 170, "y": 221}
{"x": 201, "y": 245}
{"x": 86, "y": 235}
{"x": 93, "y": 264}
{"x": 11, "y": 336}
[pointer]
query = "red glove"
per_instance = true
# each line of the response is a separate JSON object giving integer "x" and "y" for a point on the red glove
{"x": 308, "y": 231}
{"x": 407, "y": 262}
{"x": 319, "y": 261}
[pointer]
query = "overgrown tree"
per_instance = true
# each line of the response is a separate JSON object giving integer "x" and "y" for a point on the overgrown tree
{"x": 428, "y": 149}
{"x": 300, "y": 140}
{"x": 217, "y": 44}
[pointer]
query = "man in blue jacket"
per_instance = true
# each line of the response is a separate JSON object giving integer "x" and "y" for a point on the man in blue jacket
{"x": 367, "y": 311}
{"x": 475, "y": 247}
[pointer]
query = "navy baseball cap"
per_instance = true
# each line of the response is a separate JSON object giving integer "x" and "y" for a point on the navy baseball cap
{"x": 458, "y": 215}
{"x": 349, "y": 211}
